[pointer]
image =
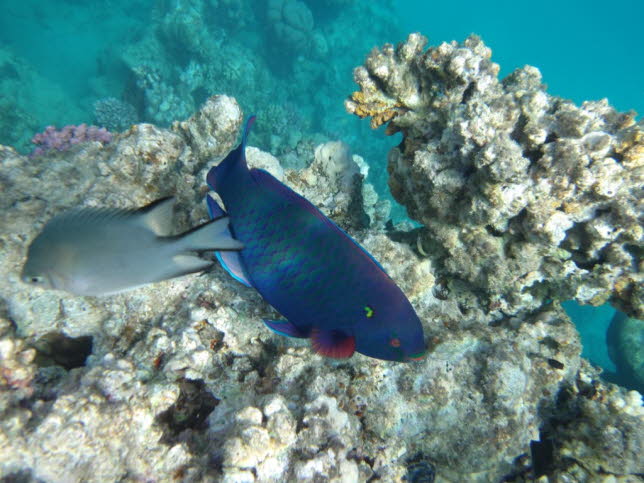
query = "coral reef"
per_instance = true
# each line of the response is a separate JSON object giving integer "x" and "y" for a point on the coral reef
{"x": 524, "y": 197}
{"x": 52, "y": 139}
{"x": 184, "y": 382}
{"x": 162, "y": 102}
{"x": 349, "y": 198}
{"x": 28, "y": 101}
{"x": 269, "y": 56}
{"x": 17, "y": 368}
{"x": 292, "y": 22}
{"x": 114, "y": 114}
{"x": 593, "y": 442}
{"x": 209, "y": 131}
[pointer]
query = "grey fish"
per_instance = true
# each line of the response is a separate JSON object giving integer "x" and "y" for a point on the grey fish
{"x": 102, "y": 251}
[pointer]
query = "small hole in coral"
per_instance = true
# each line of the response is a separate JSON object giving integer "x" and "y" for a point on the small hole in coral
{"x": 57, "y": 349}
{"x": 554, "y": 363}
{"x": 190, "y": 411}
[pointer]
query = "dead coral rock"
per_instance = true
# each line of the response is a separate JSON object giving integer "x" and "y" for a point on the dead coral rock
{"x": 529, "y": 196}
{"x": 501, "y": 373}
{"x": 596, "y": 428}
{"x": 336, "y": 182}
{"x": 262, "y": 440}
{"x": 211, "y": 131}
{"x": 17, "y": 371}
{"x": 105, "y": 405}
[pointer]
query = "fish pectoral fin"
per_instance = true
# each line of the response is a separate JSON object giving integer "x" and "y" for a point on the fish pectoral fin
{"x": 232, "y": 263}
{"x": 286, "y": 328}
{"x": 333, "y": 343}
{"x": 214, "y": 210}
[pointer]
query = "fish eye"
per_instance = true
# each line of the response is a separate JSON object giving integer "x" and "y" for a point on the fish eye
{"x": 36, "y": 280}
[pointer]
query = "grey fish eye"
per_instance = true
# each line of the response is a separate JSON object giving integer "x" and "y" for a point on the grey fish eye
{"x": 36, "y": 279}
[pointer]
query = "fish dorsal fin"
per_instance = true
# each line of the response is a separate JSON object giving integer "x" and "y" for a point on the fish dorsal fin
{"x": 157, "y": 216}
{"x": 235, "y": 159}
{"x": 249, "y": 124}
{"x": 333, "y": 343}
{"x": 87, "y": 217}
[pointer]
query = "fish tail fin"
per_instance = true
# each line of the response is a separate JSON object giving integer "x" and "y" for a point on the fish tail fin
{"x": 212, "y": 235}
{"x": 235, "y": 158}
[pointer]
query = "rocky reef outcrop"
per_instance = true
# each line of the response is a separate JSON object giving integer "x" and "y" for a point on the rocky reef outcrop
{"x": 181, "y": 380}
{"x": 524, "y": 197}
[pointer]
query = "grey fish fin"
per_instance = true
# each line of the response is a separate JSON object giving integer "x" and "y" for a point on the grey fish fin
{"x": 157, "y": 216}
{"x": 212, "y": 235}
{"x": 186, "y": 264}
{"x": 87, "y": 217}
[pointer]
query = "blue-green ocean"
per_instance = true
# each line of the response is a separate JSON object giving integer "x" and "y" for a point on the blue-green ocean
{"x": 67, "y": 55}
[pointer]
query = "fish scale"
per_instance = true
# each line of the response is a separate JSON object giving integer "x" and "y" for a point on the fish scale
{"x": 324, "y": 283}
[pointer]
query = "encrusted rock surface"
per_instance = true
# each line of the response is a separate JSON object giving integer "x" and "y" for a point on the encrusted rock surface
{"x": 209, "y": 131}
{"x": 524, "y": 196}
{"x": 593, "y": 442}
{"x": 185, "y": 383}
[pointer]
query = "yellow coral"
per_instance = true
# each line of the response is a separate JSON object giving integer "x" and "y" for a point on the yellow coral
{"x": 379, "y": 110}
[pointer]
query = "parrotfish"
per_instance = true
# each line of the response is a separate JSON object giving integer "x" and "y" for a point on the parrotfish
{"x": 322, "y": 281}
{"x": 101, "y": 251}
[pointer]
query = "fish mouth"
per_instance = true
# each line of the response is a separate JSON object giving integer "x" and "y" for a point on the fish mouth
{"x": 416, "y": 357}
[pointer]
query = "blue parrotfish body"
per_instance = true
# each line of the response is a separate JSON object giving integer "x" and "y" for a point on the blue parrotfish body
{"x": 324, "y": 283}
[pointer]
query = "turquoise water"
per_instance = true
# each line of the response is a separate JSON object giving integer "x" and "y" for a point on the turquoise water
{"x": 593, "y": 323}
{"x": 586, "y": 50}
{"x": 66, "y": 55}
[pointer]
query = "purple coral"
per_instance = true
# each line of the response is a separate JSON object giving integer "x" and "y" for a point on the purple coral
{"x": 63, "y": 139}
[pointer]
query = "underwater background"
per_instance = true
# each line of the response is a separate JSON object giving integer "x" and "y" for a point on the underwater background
{"x": 117, "y": 63}
{"x": 523, "y": 191}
